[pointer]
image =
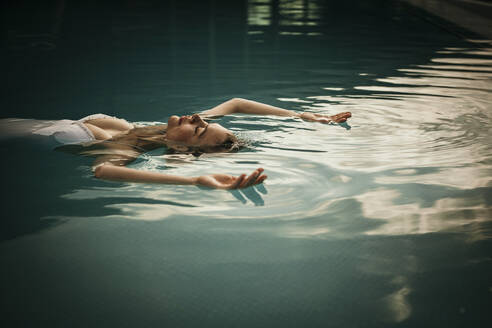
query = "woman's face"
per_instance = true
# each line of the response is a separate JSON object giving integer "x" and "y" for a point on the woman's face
{"x": 193, "y": 131}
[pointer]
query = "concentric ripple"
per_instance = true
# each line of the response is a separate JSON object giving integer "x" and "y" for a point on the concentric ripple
{"x": 416, "y": 153}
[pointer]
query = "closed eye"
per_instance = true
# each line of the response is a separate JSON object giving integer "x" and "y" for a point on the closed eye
{"x": 203, "y": 132}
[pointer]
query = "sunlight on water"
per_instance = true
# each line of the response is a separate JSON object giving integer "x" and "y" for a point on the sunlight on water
{"x": 413, "y": 158}
{"x": 384, "y": 220}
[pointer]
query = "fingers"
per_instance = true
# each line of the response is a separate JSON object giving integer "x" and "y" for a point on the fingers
{"x": 261, "y": 179}
{"x": 337, "y": 118}
{"x": 238, "y": 181}
{"x": 254, "y": 178}
{"x": 244, "y": 181}
{"x": 251, "y": 179}
{"x": 341, "y": 117}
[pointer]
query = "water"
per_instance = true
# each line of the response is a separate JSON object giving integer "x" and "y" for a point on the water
{"x": 384, "y": 221}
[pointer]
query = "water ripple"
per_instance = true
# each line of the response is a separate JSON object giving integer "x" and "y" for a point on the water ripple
{"x": 415, "y": 158}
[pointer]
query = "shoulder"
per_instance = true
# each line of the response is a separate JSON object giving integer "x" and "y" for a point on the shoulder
{"x": 148, "y": 130}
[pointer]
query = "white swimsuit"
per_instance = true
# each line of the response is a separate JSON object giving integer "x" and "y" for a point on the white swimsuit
{"x": 69, "y": 131}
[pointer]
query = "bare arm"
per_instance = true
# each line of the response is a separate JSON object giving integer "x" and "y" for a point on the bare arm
{"x": 244, "y": 106}
{"x": 122, "y": 173}
{"x": 111, "y": 170}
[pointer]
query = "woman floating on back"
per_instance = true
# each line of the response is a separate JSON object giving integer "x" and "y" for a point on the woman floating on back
{"x": 189, "y": 134}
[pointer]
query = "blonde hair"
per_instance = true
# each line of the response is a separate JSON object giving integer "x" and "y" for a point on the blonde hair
{"x": 230, "y": 144}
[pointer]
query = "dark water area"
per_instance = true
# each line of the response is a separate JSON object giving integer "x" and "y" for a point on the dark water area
{"x": 382, "y": 222}
{"x": 142, "y": 58}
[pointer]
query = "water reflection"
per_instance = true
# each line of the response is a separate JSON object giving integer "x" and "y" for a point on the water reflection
{"x": 399, "y": 308}
{"x": 406, "y": 217}
{"x": 388, "y": 222}
{"x": 259, "y": 12}
{"x": 284, "y": 17}
{"x": 416, "y": 161}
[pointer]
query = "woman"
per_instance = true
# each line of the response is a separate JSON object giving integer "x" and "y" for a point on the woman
{"x": 190, "y": 134}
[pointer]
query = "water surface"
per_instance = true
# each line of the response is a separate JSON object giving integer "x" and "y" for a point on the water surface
{"x": 384, "y": 221}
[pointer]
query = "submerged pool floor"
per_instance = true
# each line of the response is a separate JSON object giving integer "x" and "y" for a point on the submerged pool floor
{"x": 383, "y": 221}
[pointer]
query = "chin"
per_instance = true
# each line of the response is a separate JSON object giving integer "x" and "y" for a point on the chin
{"x": 173, "y": 120}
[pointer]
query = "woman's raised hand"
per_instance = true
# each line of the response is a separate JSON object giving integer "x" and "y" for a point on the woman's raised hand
{"x": 337, "y": 118}
{"x": 226, "y": 181}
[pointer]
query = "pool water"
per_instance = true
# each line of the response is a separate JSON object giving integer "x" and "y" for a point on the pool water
{"x": 383, "y": 221}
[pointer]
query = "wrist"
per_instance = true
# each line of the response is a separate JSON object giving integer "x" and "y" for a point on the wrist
{"x": 304, "y": 115}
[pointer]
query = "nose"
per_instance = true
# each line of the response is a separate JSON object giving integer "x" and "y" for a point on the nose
{"x": 195, "y": 118}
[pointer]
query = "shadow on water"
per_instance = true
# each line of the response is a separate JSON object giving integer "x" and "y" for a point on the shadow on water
{"x": 34, "y": 181}
{"x": 34, "y": 177}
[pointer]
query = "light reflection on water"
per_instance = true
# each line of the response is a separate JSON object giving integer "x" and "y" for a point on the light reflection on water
{"x": 415, "y": 159}
{"x": 342, "y": 234}
{"x": 414, "y": 156}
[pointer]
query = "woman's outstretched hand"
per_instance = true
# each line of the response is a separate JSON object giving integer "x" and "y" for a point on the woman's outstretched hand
{"x": 225, "y": 181}
{"x": 313, "y": 117}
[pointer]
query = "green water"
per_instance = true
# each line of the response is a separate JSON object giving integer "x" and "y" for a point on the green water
{"x": 384, "y": 221}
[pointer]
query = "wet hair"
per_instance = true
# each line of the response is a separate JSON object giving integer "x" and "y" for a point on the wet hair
{"x": 231, "y": 144}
